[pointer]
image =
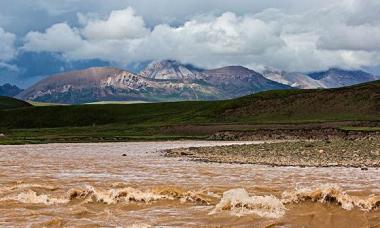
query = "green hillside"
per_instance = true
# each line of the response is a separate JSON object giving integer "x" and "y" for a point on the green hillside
{"x": 12, "y": 103}
{"x": 360, "y": 102}
{"x": 121, "y": 122}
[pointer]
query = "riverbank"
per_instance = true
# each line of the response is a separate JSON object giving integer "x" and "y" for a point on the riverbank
{"x": 325, "y": 153}
{"x": 301, "y": 133}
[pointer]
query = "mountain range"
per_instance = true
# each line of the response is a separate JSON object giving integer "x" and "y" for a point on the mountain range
{"x": 170, "y": 80}
{"x": 159, "y": 81}
{"x": 335, "y": 77}
{"x": 332, "y": 78}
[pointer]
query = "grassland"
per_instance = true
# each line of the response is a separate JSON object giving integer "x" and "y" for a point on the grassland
{"x": 7, "y": 103}
{"x": 43, "y": 104}
{"x": 344, "y": 107}
{"x": 117, "y": 102}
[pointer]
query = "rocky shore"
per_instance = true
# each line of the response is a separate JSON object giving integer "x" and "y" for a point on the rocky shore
{"x": 324, "y": 153}
{"x": 295, "y": 134}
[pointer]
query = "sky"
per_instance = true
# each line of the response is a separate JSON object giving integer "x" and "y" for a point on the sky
{"x": 42, "y": 37}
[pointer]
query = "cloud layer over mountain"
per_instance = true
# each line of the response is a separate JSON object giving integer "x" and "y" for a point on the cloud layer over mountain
{"x": 290, "y": 35}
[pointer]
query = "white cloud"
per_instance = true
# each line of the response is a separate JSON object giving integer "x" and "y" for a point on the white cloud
{"x": 226, "y": 35}
{"x": 8, "y": 50}
{"x": 121, "y": 24}
{"x": 334, "y": 35}
{"x": 362, "y": 37}
{"x": 7, "y": 45}
{"x": 58, "y": 38}
{"x": 8, "y": 67}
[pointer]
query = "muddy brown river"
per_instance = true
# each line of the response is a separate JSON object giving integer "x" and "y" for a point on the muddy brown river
{"x": 94, "y": 185}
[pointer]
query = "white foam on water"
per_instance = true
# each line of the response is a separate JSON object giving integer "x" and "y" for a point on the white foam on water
{"x": 329, "y": 193}
{"x": 139, "y": 225}
{"x": 32, "y": 197}
{"x": 239, "y": 202}
{"x": 128, "y": 194}
{"x": 22, "y": 186}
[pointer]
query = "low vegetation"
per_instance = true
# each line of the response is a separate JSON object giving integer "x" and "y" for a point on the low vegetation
{"x": 118, "y": 122}
{"x": 7, "y": 103}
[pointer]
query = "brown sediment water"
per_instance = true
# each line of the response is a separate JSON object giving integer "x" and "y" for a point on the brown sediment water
{"x": 88, "y": 185}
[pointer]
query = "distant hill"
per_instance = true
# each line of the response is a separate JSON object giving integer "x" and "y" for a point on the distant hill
{"x": 360, "y": 102}
{"x": 12, "y": 103}
{"x": 161, "y": 81}
{"x": 9, "y": 90}
{"x": 332, "y": 78}
{"x": 294, "y": 79}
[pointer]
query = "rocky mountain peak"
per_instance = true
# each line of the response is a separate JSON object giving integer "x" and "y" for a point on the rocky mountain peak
{"x": 170, "y": 70}
{"x": 9, "y": 90}
{"x": 336, "y": 77}
{"x": 272, "y": 70}
{"x": 232, "y": 70}
{"x": 342, "y": 73}
{"x": 294, "y": 79}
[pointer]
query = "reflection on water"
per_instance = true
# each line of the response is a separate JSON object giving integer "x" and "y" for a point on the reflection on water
{"x": 93, "y": 184}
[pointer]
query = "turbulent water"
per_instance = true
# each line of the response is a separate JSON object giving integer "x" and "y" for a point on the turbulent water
{"x": 95, "y": 185}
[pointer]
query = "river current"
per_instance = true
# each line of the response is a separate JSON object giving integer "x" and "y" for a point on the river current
{"x": 133, "y": 185}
